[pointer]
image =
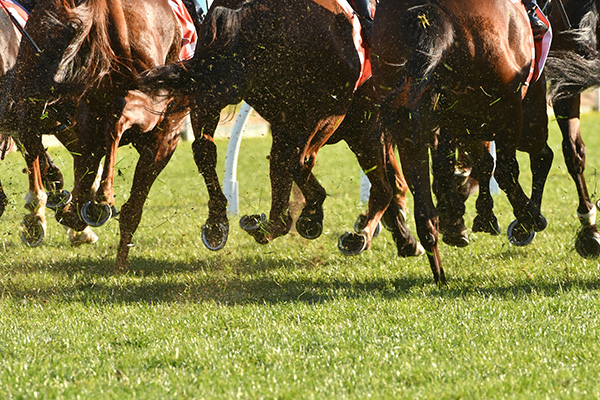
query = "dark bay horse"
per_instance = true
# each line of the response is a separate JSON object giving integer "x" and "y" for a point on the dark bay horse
{"x": 573, "y": 66}
{"x": 295, "y": 63}
{"x": 9, "y": 48}
{"x": 92, "y": 51}
{"x": 461, "y": 65}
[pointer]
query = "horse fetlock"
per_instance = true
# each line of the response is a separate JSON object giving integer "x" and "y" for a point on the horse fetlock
{"x": 256, "y": 226}
{"x": 69, "y": 218}
{"x": 486, "y": 225}
{"x": 408, "y": 246}
{"x": 77, "y": 238}
{"x": 35, "y": 202}
{"x": 588, "y": 219}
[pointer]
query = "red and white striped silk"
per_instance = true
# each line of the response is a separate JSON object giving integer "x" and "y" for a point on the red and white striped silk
{"x": 190, "y": 36}
{"x": 364, "y": 52}
{"x": 16, "y": 11}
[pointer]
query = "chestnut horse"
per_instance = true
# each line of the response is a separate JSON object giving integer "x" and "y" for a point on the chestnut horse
{"x": 295, "y": 63}
{"x": 463, "y": 66}
{"x": 92, "y": 51}
{"x": 574, "y": 66}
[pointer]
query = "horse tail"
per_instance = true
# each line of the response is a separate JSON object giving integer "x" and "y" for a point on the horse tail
{"x": 221, "y": 30}
{"x": 429, "y": 33}
{"x": 90, "y": 55}
{"x": 570, "y": 74}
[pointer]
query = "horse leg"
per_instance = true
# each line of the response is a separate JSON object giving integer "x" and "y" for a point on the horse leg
{"x": 529, "y": 219}
{"x": 450, "y": 206}
{"x": 34, "y": 223}
{"x": 61, "y": 198}
{"x": 3, "y": 200}
{"x": 152, "y": 161}
{"x": 566, "y": 110}
{"x": 485, "y": 220}
{"x": 415, "y": 164}
{"x": 53, "y": 182}
{"x": 116, "y": 121}
{"x": 413, "y": 149}
{"x": 216, "y": 229}
{"x": 367, "y": 149}
{"x": 282, "y": 155}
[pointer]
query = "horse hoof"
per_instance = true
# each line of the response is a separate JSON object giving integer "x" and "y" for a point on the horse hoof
{"x": 412, "y": 249}
{"x": 361, "y": 222}
{"x": 308, "y": 228}
{"x": 456, "y": 239}
{"x": 352, "y": 243}
{"x": 252, "y": 222}
{"x": 518, "y": 234}
{"x": 214, "y": 236}
{"x": 33, "y": 232}
{"x": 95, "y": 214}
{"x": 58, "y": 199}
{"x": 486, "y": 226}
{"x": 587, "y": 243}
{"x": 401, "y": 218}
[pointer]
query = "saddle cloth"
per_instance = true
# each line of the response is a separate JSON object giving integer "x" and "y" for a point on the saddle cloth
{"x": 364, "y": 52}
{"x": 16, "y": 11}
{"x": 190, "y": 36}
{"x": 539, "y": 47}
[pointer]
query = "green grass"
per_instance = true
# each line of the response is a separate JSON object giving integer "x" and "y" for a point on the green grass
{"x": 295, "y": 318}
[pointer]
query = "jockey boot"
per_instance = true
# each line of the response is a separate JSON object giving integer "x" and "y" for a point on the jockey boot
{"x": 538, "y": 27}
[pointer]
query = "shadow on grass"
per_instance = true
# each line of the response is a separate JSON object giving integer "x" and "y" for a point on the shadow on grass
{"x": 153, "y": 281}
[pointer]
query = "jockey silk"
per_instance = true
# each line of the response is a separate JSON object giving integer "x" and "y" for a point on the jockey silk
{"x": 189, "y": 35}
{"x": 16, "y": 11}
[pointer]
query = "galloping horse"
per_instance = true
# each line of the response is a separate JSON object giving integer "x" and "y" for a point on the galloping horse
{"x": 9, "y": 48}
{"x": 461, "y": 65}
{"x": 573, "y": 67}
{"x": 294, "y": 61}
{"x": 92, "y": 51}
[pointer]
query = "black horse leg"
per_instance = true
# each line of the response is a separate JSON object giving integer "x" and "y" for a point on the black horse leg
{"x": 3, "y": 200}
{"x": 485, "y": 220}
{"x": 450, "y": 205}
{"x": 283, "y": 155}
{"x": 216, "y": 229}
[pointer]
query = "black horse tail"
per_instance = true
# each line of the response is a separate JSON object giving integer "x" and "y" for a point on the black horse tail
{"x": 190, "y": 77}
{"x": 571, "y": 73}
{"x": 172, "y": 79}
{"x": 430, "y": 34}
